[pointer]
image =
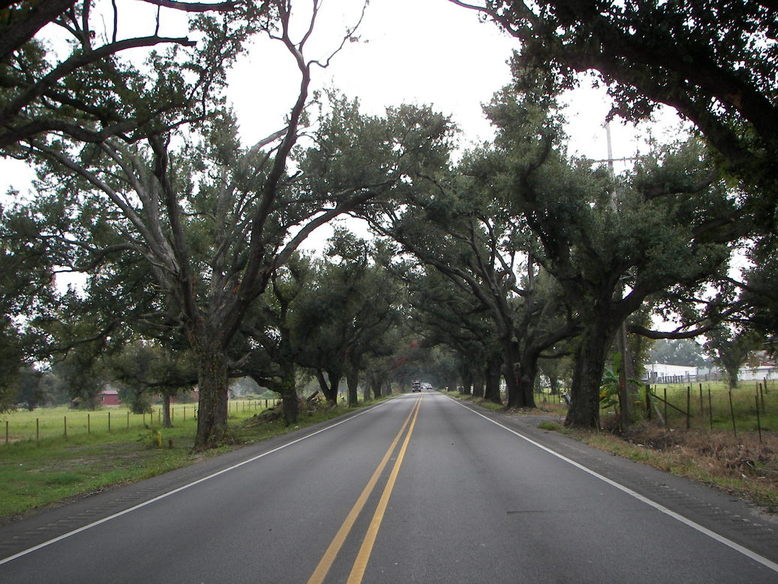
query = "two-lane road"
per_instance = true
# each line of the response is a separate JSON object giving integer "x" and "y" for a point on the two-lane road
{"x": 417, "y": 489}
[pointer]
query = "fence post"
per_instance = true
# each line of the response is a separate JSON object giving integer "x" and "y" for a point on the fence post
{"x": 732, "y": 413}
{"x": 688, "y": 406}
{"x": 37, "y": 430}
{"x": 648, "y": 401}
{"x": 667, "y": 420}
{"x": 6, "y": 431}
{"x": 109, "y": 422}
{"x": 88, "y": 423}
{"x": 758, "y": 419}
{"x": 710, "y": 408}
{"x": 762, "y": 391}
{"x": 66, "y": 427}
{"x": 702, "y": 404}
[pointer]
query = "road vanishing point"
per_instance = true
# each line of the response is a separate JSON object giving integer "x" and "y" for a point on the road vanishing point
{"x": 419, "y": 488}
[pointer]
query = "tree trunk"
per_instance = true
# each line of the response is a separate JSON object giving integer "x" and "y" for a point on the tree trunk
{"x": 212, "y": 406}
{"x": 479, "y": 383}
{"x": 589, "y": 365}
{"x": 467, "y": 382}
{"x": 493, "y": 375}
{"x": 330, "y": 390}
{"x": 290, "y": 403}
{"x": 523, "y": 395}
{"x": 352, "y": 383}
{"x": 627, "y": 391}
{"x": 376, "y": 385}
{"x": 166, "y": 421}
{"x": 732, "y": 377}
{"x": 452, "y": 382}
{"x": 366, "y": 393}
{"x": 520, "y": 372}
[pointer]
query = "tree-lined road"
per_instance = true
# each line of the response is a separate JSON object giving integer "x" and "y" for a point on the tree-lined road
{"x": 417, "y": 489}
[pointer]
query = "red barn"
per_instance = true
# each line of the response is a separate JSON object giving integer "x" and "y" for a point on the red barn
{"x": 110, "y": 397}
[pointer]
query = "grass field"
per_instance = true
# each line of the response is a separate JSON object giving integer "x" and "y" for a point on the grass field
{"x": 59, "y": 422}
{"x": 709, "y": 405}
{"x": 35, "y": 473}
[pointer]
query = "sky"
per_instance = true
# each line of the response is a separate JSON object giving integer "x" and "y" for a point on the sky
{"x": 410, "y": 51}
{"x": 413, "y": 51}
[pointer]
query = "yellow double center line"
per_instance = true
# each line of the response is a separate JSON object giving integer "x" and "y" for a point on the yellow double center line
{"x": 358, "y": 569}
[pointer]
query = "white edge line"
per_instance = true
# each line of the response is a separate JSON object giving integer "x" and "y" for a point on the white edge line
{"x": 678, "y": 517}
{"x": 179, "y": 489}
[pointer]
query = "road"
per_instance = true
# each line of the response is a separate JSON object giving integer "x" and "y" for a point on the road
{"x": 419, "y": 488}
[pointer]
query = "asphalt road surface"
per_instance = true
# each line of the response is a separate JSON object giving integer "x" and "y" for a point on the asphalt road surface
{"x": 417, "y": 489}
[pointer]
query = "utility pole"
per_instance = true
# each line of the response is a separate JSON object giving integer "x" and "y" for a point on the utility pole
{"x": 627, "y": 370}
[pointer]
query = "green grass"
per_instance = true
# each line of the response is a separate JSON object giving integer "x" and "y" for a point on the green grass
{"x": 35, "y": 473}
{"x": 552, "y": 427}
{"x": 715, "y": 407}
{"x": 55, "y": 422}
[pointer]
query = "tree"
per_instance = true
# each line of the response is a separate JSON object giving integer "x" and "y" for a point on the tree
{"x": 759, "y": 295}
{"x": 344, "y": 314}
{"x": 212, "y": 246}
{"x": 270, "y": 326}
{"x": 144, "y": 370}
{"x": 458, "y": 224}
{"x": 677, "y": 352}
{"x": 729, "y": 349}
{"x": 446, "y": 314}
{"x": 191, "y": 236}
{"x": 26, "y": 290}
{"x": 610, "y": 250}
{"x": 78, "y": 86}
{"x": 712, "y": 61}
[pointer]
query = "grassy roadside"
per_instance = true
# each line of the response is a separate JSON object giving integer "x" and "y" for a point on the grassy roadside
{"x": 35, "y": 474}
{"x": 741, "y": 466}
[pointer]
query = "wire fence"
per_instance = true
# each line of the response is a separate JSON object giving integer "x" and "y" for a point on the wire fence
{"x": 751, "y": 407}
{"x": 61, "y": 422}
{"x": 745, "y": 375}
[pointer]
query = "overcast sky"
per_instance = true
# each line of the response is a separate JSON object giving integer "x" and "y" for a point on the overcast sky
{"x": 417, "y": 51}
{"x": 413, "y": 51}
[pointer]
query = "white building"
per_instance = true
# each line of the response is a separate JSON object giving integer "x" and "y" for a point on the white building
{"x": 763, "y": 371}
{"x": 656, "y": 371}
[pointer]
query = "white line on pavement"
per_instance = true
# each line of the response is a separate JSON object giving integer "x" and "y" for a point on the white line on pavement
{"x": 179, "y": 489}
{"x": 678, "y": 517}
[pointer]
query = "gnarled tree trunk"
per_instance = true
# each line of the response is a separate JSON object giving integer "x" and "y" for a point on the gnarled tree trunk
{"x": 520, "y": 371}
{"x": 330, "y": 390}
{"x": 352, "y": 383}
{"x": 587, "y": 374}
{"x": 212, "y": 385}
{"x": 288, "y": 390}
{"x": 493, "y": 375}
